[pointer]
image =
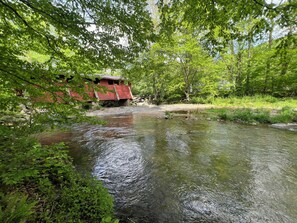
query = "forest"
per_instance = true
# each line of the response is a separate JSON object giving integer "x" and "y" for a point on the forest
{"x": 172, "y": 51}
{"x": 221, "y": 57}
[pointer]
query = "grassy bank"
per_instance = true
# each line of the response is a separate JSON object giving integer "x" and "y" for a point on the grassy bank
{"x": 254, "y": 116}
{"x": 258, "y": 101}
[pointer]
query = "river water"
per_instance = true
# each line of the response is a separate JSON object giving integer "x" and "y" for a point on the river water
{"x": 188, "y": 169}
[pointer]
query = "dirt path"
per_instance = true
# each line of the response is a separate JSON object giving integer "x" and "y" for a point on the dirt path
{"x": 147, "y": 109}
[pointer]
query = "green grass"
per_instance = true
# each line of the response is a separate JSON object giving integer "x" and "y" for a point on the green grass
{"x": 252, "y": 116}
{"x": 257, "y": 101}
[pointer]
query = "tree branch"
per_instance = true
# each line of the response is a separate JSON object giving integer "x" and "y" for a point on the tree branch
{"x": 30, "y": 27}
{"x": 16, "y": 13}
{"x": 34, "y": 84}
{"x": 271, "y": 9}
{"x": 27, "y": 3}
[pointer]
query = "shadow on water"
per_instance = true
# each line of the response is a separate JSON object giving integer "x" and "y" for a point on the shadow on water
{"x": 191, "y": 169}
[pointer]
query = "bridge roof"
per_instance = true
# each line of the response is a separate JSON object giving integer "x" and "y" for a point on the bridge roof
{"x": 109, "y": 77}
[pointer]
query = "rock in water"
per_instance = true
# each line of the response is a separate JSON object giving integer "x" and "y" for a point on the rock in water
{"x": 289, "y": 126}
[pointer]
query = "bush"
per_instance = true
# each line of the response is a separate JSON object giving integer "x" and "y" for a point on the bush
{"x": 174, "y": 98}
{"x": 270, "y": 99}
{"x": 202, "y": 100}
{"x": 286, "y": 115}
{"x": 46, "y": 177}
{"x": 262, "y": 116}
{"x": 15, "y": 208}
{"x": 242, "y": 115}
{"x": 223, "y": 114}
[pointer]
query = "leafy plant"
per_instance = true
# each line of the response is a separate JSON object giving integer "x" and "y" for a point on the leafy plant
{"x": 202, "y": 100}
{"x": 168, "y": 115}
{"x": 286, "y": 115}
{"x": 45, "y": 176}
{"x": 249, "y": 116}
{"x": 15, "y": 207}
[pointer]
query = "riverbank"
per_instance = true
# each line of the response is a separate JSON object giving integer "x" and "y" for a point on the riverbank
{"x": 149, "y": 109}
{"x": 161, "y": 109}
{"x": 284, "y": 118}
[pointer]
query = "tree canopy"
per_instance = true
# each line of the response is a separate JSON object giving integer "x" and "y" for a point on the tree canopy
{"x": 71, "y": 38}
{"x": 212, "y": 15}
{"x": 40, "y": 40}
{"x": 183, "y": 50}
{"x": 249, "y": 46}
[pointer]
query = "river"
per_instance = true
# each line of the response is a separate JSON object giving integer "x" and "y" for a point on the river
{"x": 189, "y": 169}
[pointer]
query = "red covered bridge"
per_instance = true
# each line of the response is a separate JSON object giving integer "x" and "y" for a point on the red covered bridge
{"x": 108, "y": 89}
{"x": 115, "y": 89}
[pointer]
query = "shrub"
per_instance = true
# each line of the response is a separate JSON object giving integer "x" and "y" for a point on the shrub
{"x": 270, "y": 99}
{"x": 286, "y": 115}
{"x": 15, "y": 207}
{"x": 174, "y": 98}
{"x": 223, "y": 114}
{"x": 47, "y": 178}
{"x": 202, "y": 100}
{"x": 262, "y": 116}
{"x": 241, "y": 115}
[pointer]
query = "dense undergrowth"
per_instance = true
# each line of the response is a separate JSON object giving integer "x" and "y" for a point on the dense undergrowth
{"x": 40, "y": 184}
{"x": 252, "y": 116}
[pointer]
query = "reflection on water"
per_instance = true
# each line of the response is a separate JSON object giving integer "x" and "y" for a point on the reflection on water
{"x": 192, "y": 170}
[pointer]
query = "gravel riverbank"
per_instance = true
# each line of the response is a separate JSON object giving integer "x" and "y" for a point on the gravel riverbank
{"x": 147, "y": 109}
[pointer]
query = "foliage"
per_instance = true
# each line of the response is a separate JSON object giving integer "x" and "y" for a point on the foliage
{"x": 250, "y": 116}
{"x": 152, "y": 73}
{"x": 286, "y": 115}
{"x": 262, "y": 69}
{"x": 168, "y": 115}
{"x": 175, "y": 70}
{"x": 252, "y": 45}
{"x": 195, "y": 68}
{"x": 202, "y": 100}
{"x": 257, "y": 101}
{"x": 15, "y": 208}
{"x": 51, "y": 189}
{"x": 218, "y": 20}
{"x": 216, "y": 48}
{"x": 39, "y": 41}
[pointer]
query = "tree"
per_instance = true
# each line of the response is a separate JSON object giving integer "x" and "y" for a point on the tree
{"x": 239, "y": 26}
{"x": 176, "y": 70}
{"x": 210, "y": 15}
{"x": 79, "y": 38}
{"x": 152, "y": 73}
{"x": 192, "y": 63}
{"x": 40, "y": 40}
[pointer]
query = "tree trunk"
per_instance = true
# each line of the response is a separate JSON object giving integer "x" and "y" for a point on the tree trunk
{"x": 248, "y": 75}
{"x": 238, "y": 85}
{"x": 285, "y": 60}
{"x": 155, "y": 88}
{"x": 232, "y": 66}
{"x": 186, "y": 80}
{"x": 268, "y": 62}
